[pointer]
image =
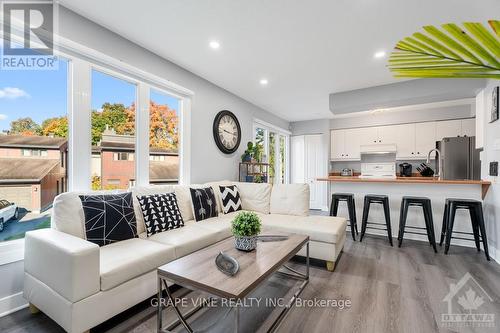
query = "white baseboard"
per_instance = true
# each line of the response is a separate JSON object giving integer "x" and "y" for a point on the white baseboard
{"x": 12, "y": 303}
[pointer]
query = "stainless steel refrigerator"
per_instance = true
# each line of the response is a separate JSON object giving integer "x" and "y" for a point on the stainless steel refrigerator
{"x": 460, "y": 158}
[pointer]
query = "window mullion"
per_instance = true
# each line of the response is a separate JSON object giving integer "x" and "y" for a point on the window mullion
{"x": 142, "y": 134}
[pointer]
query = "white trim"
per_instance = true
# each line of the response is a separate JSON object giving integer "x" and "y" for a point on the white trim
{"x": 12, "y": 303}
{"x": 11, "y": 251}
{"x": 271, "y": 126}
{"x": 142, "y": 141}
{"x": 118, "y": 65}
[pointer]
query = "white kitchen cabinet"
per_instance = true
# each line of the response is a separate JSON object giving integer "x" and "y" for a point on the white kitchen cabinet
{"x": 337, "y": 144}
{"x": 468, "y": 127}
{"x": 354, "y": 138}
{"x": 405, "y": 141}
{"x": 387, "y": 134}
{"x": 425, "y": 139}
{"x": 369, "y": 135}
{"x": 448, "y": 129}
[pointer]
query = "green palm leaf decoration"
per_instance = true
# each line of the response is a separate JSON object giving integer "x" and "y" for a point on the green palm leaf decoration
{"x": 449, "y": 52}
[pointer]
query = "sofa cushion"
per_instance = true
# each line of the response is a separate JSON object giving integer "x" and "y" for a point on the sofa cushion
{"x": 221, "y": 224}
{"x": 146, "y": 190}
{"x": 109, "y": 218}
{"x": 230, "y": 198}
{"x": 204, "y": 203}
{"x": 328, "y": 229}
{"x": 187, "y": 239}
{"x": 255, "y": 197}
{"x": 125, "y": 260}
{"x": 183, "y": 194}
{"x": 160, "y": 212}
{"x": 290, "y": 199}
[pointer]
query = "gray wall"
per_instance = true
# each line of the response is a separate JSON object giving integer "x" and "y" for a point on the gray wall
{"x": 492, "y": 200}
{"x": 207, "y": 162}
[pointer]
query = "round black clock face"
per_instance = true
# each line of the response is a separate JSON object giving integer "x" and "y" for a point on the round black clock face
{"x": 227, "y": 132}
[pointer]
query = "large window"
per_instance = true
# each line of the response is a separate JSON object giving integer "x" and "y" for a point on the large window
{"x": 163, "y": 138}
{"x": 113, "y": 132}
{"x": 273, "y": 143}
{"x": 33, "y": 147}
{"x": 50, "y": 143}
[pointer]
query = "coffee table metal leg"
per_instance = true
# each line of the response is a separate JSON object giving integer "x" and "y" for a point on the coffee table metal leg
{"x": 176, "y": 309}
{"x": 237, "y": 319}
{"x": 159, "y": 319}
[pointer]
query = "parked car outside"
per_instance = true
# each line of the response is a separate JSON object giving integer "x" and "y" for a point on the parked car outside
{"x": 8, "y": 211}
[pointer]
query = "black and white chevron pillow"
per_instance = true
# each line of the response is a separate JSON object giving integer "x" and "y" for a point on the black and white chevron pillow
{"x": 231, "y": 201}
{"x": 161, "y": 212}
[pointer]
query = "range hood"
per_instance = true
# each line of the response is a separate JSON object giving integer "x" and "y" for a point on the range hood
{"x": 378, "y": 149}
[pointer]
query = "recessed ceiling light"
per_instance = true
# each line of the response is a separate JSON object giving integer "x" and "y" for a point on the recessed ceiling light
{"x": 379, "y": 54}
{"x": 263, "y": 82}
{"x": 214, "y": 44}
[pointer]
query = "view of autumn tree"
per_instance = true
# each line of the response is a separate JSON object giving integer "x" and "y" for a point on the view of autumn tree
{"x": 163, "y": 131}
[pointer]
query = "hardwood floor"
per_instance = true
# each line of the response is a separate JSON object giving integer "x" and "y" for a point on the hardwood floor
{"x": 391, "y": 290}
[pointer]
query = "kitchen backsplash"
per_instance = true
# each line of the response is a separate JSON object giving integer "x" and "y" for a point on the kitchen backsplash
{"x": 356, "y": 165}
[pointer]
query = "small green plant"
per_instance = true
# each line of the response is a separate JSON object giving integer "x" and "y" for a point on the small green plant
{"x": 246, "y": 224}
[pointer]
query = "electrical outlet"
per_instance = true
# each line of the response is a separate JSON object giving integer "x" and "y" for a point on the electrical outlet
{"x": 493, "y": 168}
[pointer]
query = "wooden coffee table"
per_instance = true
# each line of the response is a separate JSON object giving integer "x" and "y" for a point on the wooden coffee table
{"x": 197, "y": 271}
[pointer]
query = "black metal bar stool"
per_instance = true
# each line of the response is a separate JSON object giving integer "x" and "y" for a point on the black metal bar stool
{"x": 379, "y": 199}
{"x": 425, "y": 203}
{"x": 351, "y": 207}
{"x": 475, "y": 209}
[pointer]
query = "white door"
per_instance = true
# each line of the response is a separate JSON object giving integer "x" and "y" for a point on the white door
{"x": 448, "y": 129}
{"x": 387, "y": 134}
{"x": 315, "y": 167}
{"x": 369, "y": 135}
{"x": 298, "y": 159}
{"x": 469, "y": 127}
{"x": 405, "y": 135}
{"x": 337, "y": 144}
{"x": 425, "y": 139}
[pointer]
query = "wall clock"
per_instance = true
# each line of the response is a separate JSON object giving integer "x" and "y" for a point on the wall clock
{"x": 227, "y": 132}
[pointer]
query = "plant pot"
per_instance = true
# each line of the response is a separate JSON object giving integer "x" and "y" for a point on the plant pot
{"x": 249, "y": 179}
{"x": 245, "y": 243}
{"x": 247, "y": 158}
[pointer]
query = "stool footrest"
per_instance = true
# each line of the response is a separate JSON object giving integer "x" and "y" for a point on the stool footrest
{"x": 415, "y": 233}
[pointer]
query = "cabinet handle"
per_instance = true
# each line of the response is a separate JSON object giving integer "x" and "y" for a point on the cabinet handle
{"x": 412, "y": 153}
{"x": 379, "y": 140}
{"x": 374, "y": 140}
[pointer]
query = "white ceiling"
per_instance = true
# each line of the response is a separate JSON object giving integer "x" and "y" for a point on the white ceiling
{"x": 306, "y": 49}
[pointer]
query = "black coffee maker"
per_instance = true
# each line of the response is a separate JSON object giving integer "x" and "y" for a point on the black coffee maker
{"x": 405, "y": 170}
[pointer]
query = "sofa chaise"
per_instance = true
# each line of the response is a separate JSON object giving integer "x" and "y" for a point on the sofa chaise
{"x": 80, "y": 285}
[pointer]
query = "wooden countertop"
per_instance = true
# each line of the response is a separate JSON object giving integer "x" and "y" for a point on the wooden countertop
{"x": 485, "y": 184}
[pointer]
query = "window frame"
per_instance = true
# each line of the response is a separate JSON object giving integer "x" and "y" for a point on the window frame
{"x": 81, "y": 60}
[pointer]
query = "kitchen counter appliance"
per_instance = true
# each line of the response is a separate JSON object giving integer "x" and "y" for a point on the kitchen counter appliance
{"x": 347, "y": 172}
{"x": 382, "y": 170}
{"x": 460, "y": 158}
{"x": 405, "y": 170}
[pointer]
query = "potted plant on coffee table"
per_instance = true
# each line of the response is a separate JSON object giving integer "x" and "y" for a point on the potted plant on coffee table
{"x": 245, "y": 228}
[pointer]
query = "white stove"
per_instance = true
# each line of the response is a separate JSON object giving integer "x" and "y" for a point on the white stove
{"x": 385, "y": 170}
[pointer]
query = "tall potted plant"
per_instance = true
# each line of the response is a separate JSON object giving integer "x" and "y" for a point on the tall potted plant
{"x": 245, "y": 228}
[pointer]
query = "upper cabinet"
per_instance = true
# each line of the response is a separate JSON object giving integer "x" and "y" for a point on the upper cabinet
{"x": 468, "y": 127}
{"x": 448, "y": 129}
{"x": 413, "y": 141}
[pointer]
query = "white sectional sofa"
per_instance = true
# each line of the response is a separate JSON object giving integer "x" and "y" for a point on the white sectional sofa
{"x": 80, "y": 285}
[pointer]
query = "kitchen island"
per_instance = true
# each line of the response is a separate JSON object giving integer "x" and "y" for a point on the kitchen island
{"x": 435, "y": 189}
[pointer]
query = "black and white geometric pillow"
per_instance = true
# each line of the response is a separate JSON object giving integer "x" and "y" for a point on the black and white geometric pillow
{"x": 231, "y": 201}
{"x": 161, "y": 212}
{"x": 109, "y": 218}
{"x": 204, "y": 203}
